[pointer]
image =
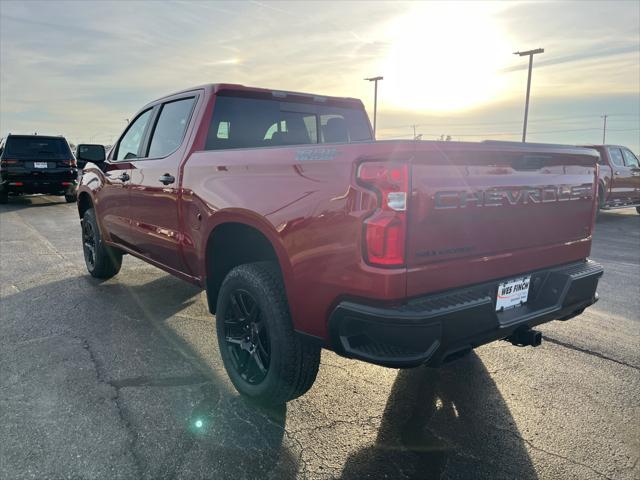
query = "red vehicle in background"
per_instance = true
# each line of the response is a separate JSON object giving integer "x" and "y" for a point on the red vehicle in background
{"x": 619, "y": 182}
{"x": 306, "y": 233}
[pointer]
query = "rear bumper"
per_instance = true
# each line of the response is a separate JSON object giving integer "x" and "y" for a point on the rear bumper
{"x": 431, "y": 329}
{"x": 52, "y": 183}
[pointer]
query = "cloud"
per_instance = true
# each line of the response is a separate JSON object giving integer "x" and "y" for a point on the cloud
{"x": 78, "y": 68}
{"x": 587, "y": 54}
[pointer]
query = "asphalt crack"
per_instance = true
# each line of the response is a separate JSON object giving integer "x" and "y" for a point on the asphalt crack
{"x": 553, "y": 454}
{"x": 567, "y": 459}
{"x": 133, "y": 435}
{"x": 589, "y": 352}
{"x": 144, "y": 381}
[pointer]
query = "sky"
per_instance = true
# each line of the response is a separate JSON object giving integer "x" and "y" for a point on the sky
{"x": 80, "y": 69}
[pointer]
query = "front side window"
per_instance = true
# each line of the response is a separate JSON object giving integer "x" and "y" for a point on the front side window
{"x": 630, "y": 159}
{"x": 170, "y": 127}
{"x": 616, "y": 157}
{"x": 130, "y": 144}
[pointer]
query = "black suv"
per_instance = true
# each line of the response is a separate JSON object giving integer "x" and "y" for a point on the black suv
{"x": 37, "y": 164}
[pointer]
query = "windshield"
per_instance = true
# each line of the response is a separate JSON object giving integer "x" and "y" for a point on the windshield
{"x": 37, "y": 148}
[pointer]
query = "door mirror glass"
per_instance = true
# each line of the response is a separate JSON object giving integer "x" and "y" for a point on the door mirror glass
{"x": 90, "y": 153}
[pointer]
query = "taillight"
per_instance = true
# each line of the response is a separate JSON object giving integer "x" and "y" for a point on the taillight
{"x": 8, "y": 162}
{"x": 385, "y": 229}
{"x": 71, "y": 163}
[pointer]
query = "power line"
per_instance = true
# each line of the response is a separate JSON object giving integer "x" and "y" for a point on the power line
{"x": 444, "y": 124}
{"x": 496, "y": 134}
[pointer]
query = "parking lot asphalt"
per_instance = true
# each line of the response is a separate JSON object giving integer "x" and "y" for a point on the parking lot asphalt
{"x": 122, "y": 379}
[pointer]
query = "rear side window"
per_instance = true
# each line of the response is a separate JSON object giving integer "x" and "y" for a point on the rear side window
{"x": 170, "y": 127}
{"x": 616, "y": 157}
{"x": 35, "y": 147}
{"x": 248, "y": 123}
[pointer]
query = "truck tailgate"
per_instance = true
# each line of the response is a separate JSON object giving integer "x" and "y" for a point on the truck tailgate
{"x": 490, "y": 210}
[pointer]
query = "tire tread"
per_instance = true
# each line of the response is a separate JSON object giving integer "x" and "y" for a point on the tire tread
{"x": 300, "y": 358}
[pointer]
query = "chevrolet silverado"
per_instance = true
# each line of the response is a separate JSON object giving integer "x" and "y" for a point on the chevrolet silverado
{"x": 306, "y": 233}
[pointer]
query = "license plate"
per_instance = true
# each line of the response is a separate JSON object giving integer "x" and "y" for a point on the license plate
{"x": 513, "y": 293}
{"x": 40, "y": 164}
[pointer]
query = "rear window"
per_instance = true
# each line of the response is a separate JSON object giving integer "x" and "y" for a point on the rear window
{"x": 249, "y": 123}
{"x": 37, "y": 148}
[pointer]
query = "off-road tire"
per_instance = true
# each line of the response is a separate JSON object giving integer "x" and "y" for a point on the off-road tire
{"x": 293, "y": 362}
{"x": 106, "y": 261}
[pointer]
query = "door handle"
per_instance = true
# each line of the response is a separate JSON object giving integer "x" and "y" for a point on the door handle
{"x": 166, "y": 179}
{"x": 124, "y": 177}
{"x": 617, "y": 173}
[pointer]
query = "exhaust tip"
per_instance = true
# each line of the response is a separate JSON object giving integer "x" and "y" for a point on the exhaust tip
{"x": 526, "y": 337}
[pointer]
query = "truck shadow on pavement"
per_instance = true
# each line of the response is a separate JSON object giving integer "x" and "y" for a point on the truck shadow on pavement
{"x": 450, "y": 422}
{"x": 22, "y": 202}
{"x": 180, "y": 417}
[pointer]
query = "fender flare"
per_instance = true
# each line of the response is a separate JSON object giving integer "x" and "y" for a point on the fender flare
{"x": 259, "y": 223}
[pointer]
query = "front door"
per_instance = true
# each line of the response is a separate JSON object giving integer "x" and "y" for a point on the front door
{"x": 114, "y": 198}
{"x": 154, "y": 188}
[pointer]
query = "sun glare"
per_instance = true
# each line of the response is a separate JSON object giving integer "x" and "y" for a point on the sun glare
{"x": 444, "y": 57}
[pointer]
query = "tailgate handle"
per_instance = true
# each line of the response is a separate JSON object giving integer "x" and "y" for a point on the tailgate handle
{"x": 529, "y": 162}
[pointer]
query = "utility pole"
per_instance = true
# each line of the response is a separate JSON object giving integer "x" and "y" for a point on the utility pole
{"x": 375, "y": 101}
{"x": 414, "y": 132}
{"x": 604, "y": 129}
{"x": 530, "y": 53}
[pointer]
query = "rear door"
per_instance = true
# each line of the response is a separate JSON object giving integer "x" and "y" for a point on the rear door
{"x": 113, "y": 197}
{"x": 154, "y": 186}
{"x": 622, "y": 179}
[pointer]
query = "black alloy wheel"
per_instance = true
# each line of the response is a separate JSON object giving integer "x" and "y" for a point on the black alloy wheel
{"x": 101, "y": 260}
{"x": 89, "y": 244}
{"x": 266, "y": 359}
{"x": 246, "y": 336}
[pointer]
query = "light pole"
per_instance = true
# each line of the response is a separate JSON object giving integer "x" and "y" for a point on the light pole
{"x": 375, "y": 101}
{"x": 530, "y": 53}
{"x": 604, "y": 129}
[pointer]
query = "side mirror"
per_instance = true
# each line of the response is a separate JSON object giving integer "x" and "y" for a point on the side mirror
{"x": 86, "y": 152}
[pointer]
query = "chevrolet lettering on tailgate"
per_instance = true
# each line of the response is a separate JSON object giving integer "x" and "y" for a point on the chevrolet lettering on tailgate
{"x": 512, "y": 196}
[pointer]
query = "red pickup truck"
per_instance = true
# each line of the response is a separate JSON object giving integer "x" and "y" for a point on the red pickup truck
{"x": 308, "y": 234}
{"x": 619, "y": 179}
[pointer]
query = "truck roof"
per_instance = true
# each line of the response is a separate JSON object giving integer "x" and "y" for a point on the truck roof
{"x": 215, "y": 88}
{"x": 33, "y": 135}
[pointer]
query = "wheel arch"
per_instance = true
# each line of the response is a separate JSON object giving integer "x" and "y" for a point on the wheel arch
{"x": 84, "y": 203}
{"x": 235, "y": 240}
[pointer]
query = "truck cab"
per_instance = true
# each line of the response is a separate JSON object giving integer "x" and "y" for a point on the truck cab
{"x": 619, "y": 177}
